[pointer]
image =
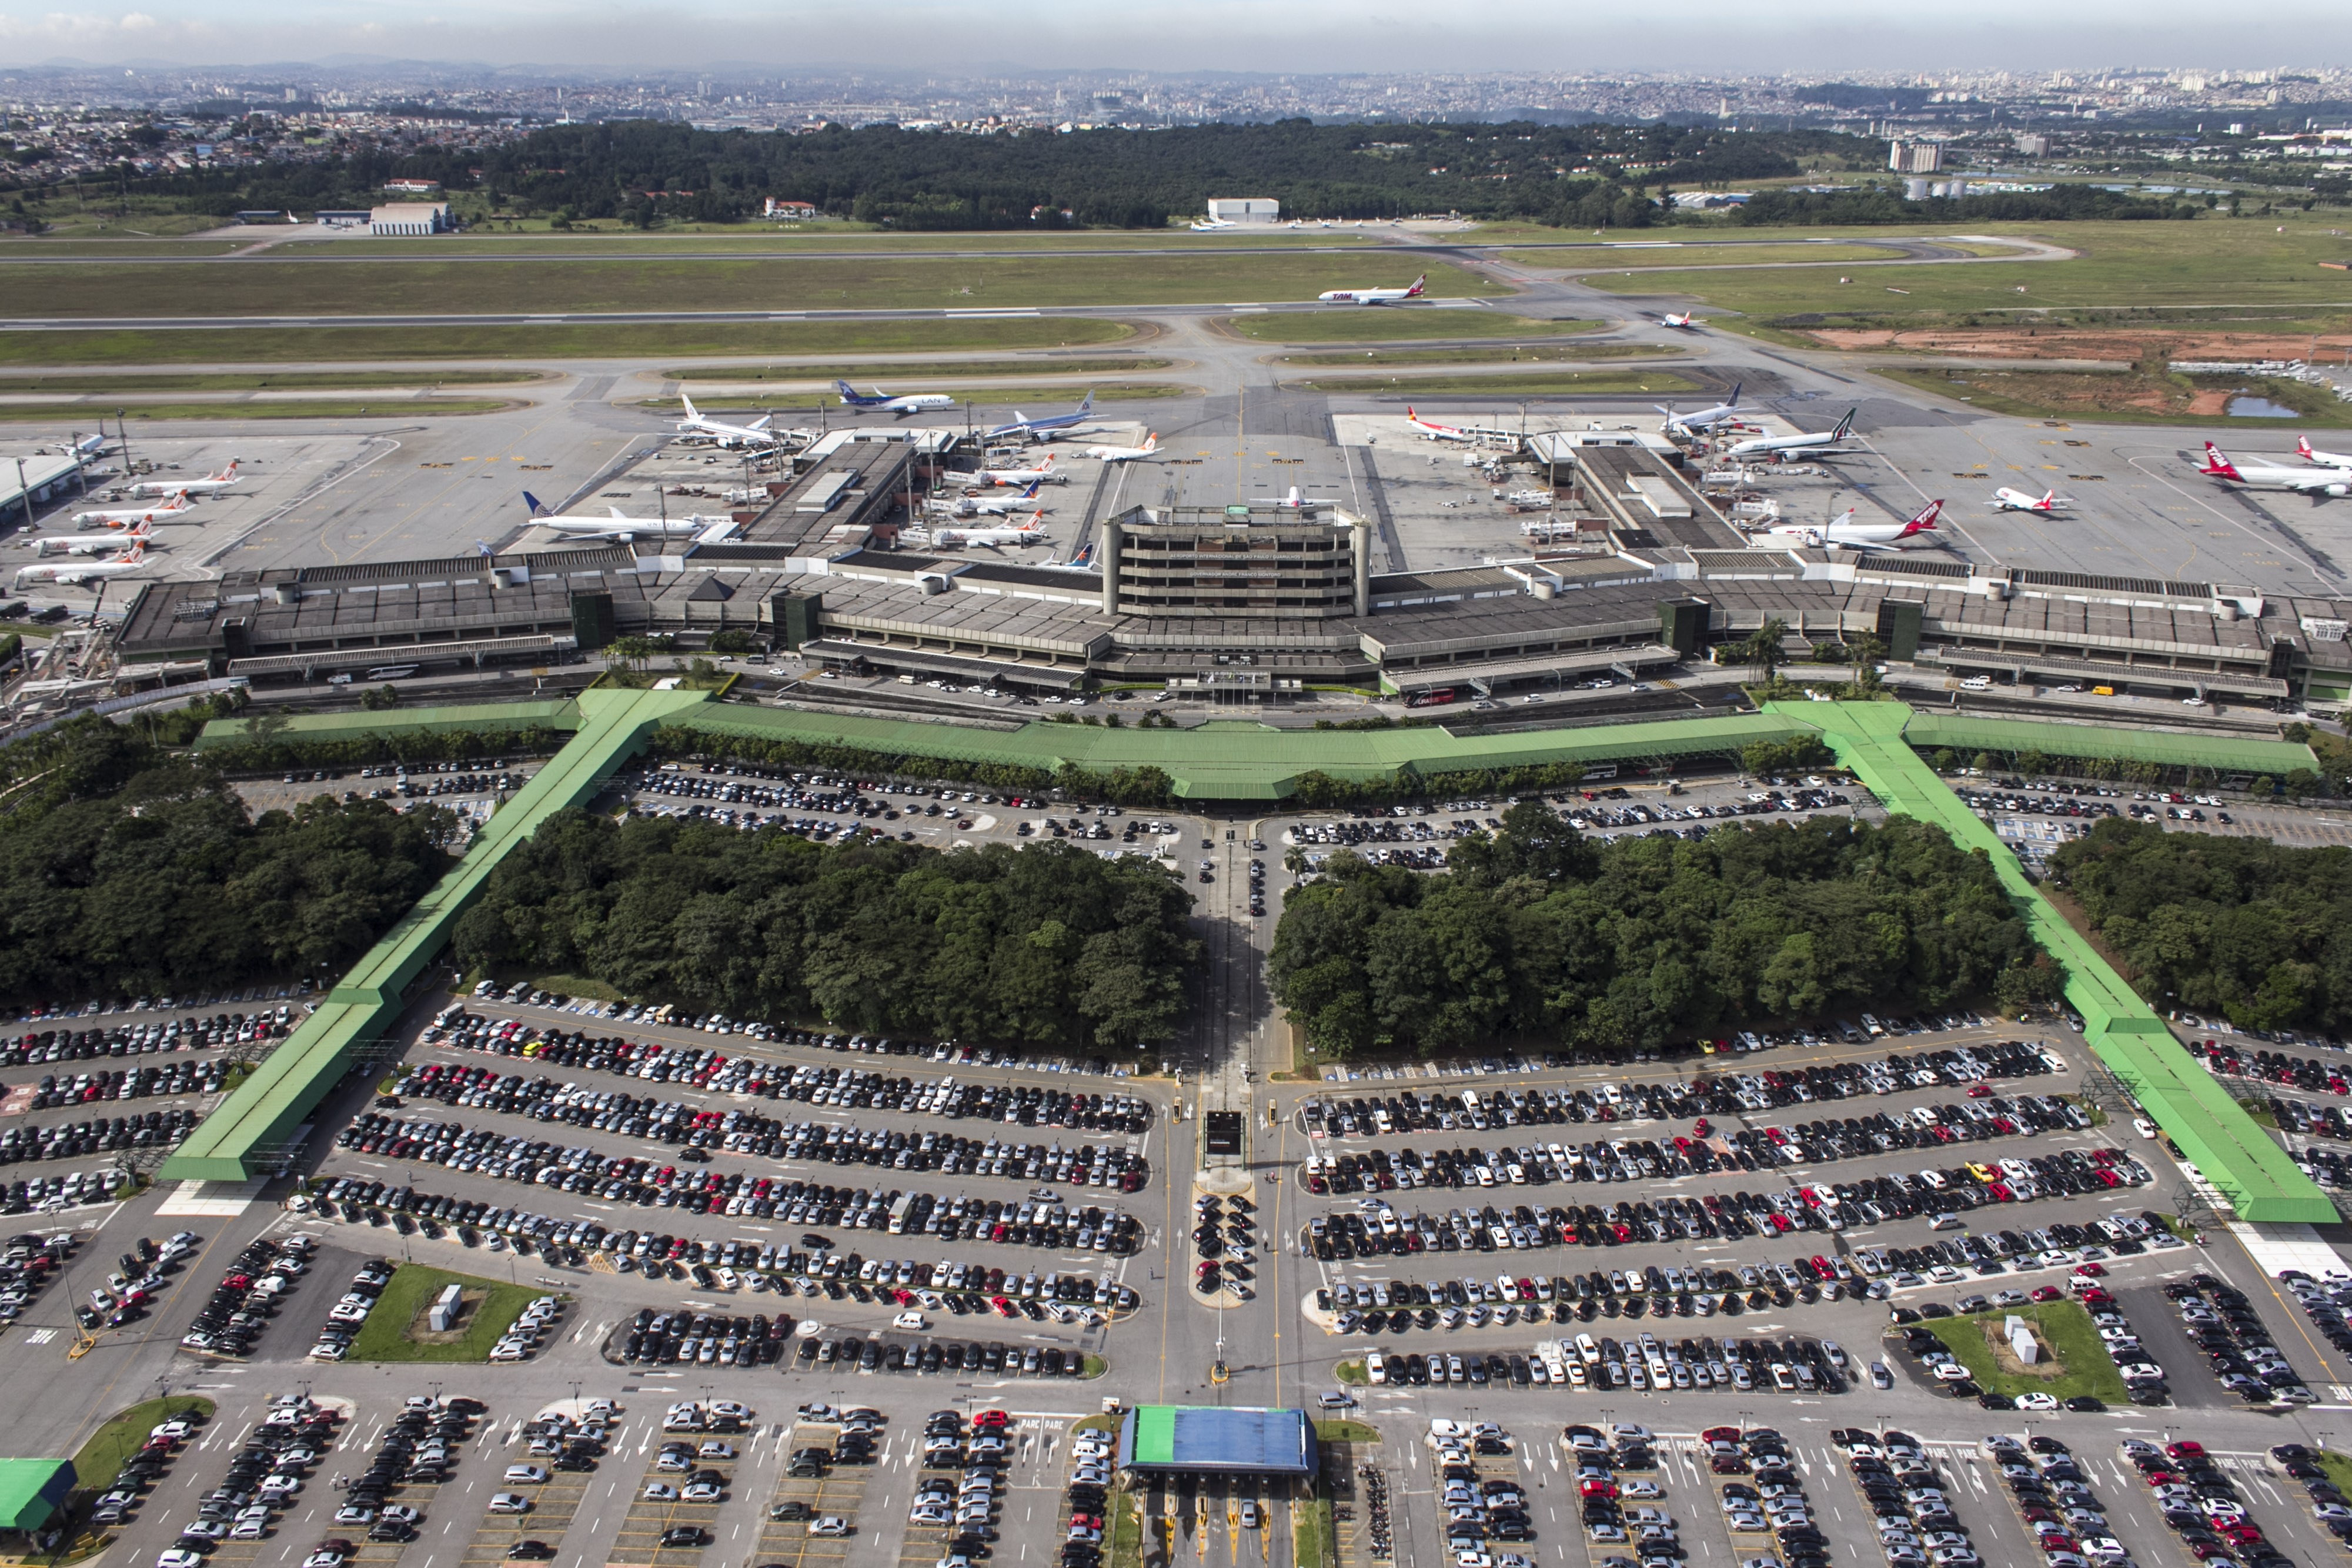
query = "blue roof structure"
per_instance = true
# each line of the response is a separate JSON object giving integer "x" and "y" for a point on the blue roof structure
{"x": 1198, "y": 1439}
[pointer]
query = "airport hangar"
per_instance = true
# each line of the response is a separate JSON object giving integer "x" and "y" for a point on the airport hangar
{"x": 1243, "y": 603}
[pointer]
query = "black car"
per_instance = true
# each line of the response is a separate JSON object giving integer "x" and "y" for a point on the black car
{"x": 530, "y": 1552}
{"x": 685, "y": 1535}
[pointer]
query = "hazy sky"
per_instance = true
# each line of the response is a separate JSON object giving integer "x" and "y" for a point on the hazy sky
{"x": 1306, "y": 35}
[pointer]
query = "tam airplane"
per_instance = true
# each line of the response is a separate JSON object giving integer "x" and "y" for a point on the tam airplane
{"x": 1032, "y": 532}
{"x": 1149, "y": 452}
{"x": 883, "y": 402}
{"x": 1842, "y": 533}
{"x": 210, "y": 482}
{"x": 2008, "y": 500}
{"x": 617, "y": 524}
{"x": 755, "y": 434}
{"x": 94, "y": 544}
{"x": 73, "y": 573}
{"x": 2303, "y": 449}
{"x": 2303, "y": 481}
{"x": 1373, "y": 295}
{"x": 1779, "y": 446}
{"x": 128, "y": 516}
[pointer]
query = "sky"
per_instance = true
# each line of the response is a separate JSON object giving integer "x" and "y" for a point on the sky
{"x": 1807, "y": 37}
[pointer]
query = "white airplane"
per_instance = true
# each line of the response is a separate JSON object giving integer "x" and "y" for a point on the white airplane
{"x": 1211, "y": 226}
{"x": 209, "y": 483}
{"x": 883, "y": 402}
{"x": 1042, "y": 473}
{"x": 1149, "y": 452}
{"x": 1023, "y": 426}
{"x": 94, "y": 544}
{"x": 2008, "y": 500}
{"x": 75, "y": 572}
{"x": 1372, "y": 295}
{"x": 2303, "y": 449}
{"x": 2303, "y": 481}
{"x": 1294, "y": 501}
{"x": 1844, "y": 533}
{"x": 1082, "y": 561}
{"x": 1774, "y": 445}
{"x": 1705, "y": 418}
{"x": 127, "y": 516}
{"x": 755, "y": 434}
{"x": 618, "y": 525}
{"x": 1033, "y": 532}
{"x": 987, "y": 506}
{"x": 79, "y": 445}
{"x": 1435, "y": 431}
{"x": 1687, "y": 320}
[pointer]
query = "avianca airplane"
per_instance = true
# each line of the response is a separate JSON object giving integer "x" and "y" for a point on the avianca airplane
{"x": 73, "y": 572}
{"x": 2331, "y": 459}
{"x": 1149, "y": 450}
{"x": 883, "y": 402}
{"x": 1776, "y": 445}
{"x": 1844, "y": 533}
{"x": 125, "y": 517}
{"x": 220, "y": 481}
{"x": 2303, "y": 481}
{"x": 94, "y": 544}
{"x": 1435, "y": 431}
{"x": 1372, "y": 295}
{"x": 1032, "y": 532}
{"x": 2008, "y": 500}
{"x": 755, "y": 434}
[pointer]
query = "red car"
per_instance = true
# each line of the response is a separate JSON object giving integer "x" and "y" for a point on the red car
{"x": 2048, "y": 1293}
{"x": 991, "y": 1419}
{"x": 2090, "y": 1271}
{"x": 2184, "y": 1450}
{"x": 1719, "y": 1434}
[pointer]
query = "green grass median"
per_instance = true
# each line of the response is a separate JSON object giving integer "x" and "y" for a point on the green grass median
{"x": 2084, "y": 1365}
{"x": 395, "y": 1330}
{"x": 101, "y": 1455}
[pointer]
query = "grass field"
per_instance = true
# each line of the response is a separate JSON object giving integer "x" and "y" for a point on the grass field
{"x": 101, "y": 1454}
{"x": 2124, "y": 266}
{"x": 282, "y": 380}
{"x": 835, "y": 237}
{"x": 2066, "y": 1327}
{"x": 1312, "y": 1542}
{"x": 860, "y": 370}
{"x": 487, "y": 287}
{"x": 1380, "y": 324}
{"x": 1345, "y": 1432}
{"x": 809, "y": 402}
{"x": 1570, "y": 382}
{"x": 1557, "y": 353}
{"x": 404, "y": 407}
{"x": 1682, "y": 253}
{"x": 384, "y": 1335}
{"x": 265, "y": 345}
{"x": 45, "y": 249}
{"x": 2130, "y": 397}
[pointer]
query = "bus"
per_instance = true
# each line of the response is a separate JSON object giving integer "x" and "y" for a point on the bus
{"x": 392, "y": 672}
{"x": 1432, "y": 700}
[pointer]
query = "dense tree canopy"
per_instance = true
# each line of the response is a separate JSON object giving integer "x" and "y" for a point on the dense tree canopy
{"x": 2237, "y": 926}
{"x": 1048, "y": 945}
{"x": 124, "y": 872}
{"x": 1536, "y": 932}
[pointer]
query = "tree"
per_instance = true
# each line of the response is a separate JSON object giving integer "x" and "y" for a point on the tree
{"x": 1763, "y": 652}
{"x": 629, "y": 652}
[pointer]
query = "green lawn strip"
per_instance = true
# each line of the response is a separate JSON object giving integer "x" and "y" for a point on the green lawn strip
{"x": 1310, "y": 1530}
{"x": 585, "y": 341}
{"x": 384, "y": 1335}
{"x": 809, "y": 402}
{"x": 862, "y": 370}
{"x": 1719, "y": 229}
{"x": 1384, "y": 324}
{"x": 1688, "y": 254}
{"x": 101, "y": 1455}
{"x": 675, "y": 284}
{"x": 2338, "y": 1466}
{"x": 1345, "y": 1432}
{"x": 404, "y": 407}
{"x": 1351, "y": 1372}
{"x": 2065, "y": 1328}
{"x": 1570, "y": 382}
{"x": 1567, "y": 352}
{"x": 1985, "y": 390}
{"x": 283, "y": 380}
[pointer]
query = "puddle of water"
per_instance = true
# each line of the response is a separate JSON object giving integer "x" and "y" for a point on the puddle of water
{"x": 2259, "y": 408}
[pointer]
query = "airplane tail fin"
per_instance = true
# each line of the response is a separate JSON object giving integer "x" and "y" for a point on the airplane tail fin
{"x": 2218, "y": 464}
{"x": 1086, "y": 403}
{"x": 2049, "y": 498}
{"x": 689, "y": 406}
{"x": 1031, "y": 493}
{"x": 1926, "y": 521}
{"x": 762, "y": 421}
{"x": 1085, "y": 557}
{"x": 138, "y": 553}
{"x": 1732, "y": 401}
{"x": 1845, "y": 426}
{"x": 539, "y": 508}
{"x": 849, "y": 393}
{"x": 144, "y": 531}
{"x": 2303, "y": 447}
{"x": 1418, "y": 284}
{"x": 1151, "y": 441}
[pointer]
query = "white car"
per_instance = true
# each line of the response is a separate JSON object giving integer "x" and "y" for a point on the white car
{"x": 509, "y": 1502}
{"x": 659, "y": 1491}
{"x": 2042, "y": 1402}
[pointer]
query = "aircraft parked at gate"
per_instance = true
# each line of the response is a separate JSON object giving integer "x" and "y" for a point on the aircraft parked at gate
{"x": 1844, "y": 533}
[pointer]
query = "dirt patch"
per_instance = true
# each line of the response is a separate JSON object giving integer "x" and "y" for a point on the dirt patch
{"x": 2210, "y": 404}
{"x": 2048, "y": 1369}
{"x": 422, "y": 1331}
{"x": 2056, "y": 342}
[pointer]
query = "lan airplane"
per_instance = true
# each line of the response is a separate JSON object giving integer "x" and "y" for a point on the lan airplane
{"x": 1023, "y": 426}
{"x": 205, "y": 485}
{"x": 1705, "y": 418}
{"x": 1149, "y": 452}
{"x": 1372, "y": 295}
{"x": 883, "y": 402}
{"x": 2008, "y": 500}
{"x": 619, "y": 524}
{"x": 1844, "y": 533}
{"x": 72, "y": 573}
{"x": 1781, "y": 445}
{"x": 755, "y": 434}
{"x": 2303, "y": 481}
{"x": 94, "y": 544}
{"x": 128, "y": 516}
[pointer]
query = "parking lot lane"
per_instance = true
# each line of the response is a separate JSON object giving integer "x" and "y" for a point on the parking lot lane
{"x": 553, "y": 1505}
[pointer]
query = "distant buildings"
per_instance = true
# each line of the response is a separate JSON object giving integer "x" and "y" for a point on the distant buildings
{"x": 776, "y": 209}
{"x": 2032, "y": 144}
{"x": 1243, "y": 210}
{"x": 1915, "y": 157}
{"x": 413, "y": 187}
{"x": 411, "y": 218}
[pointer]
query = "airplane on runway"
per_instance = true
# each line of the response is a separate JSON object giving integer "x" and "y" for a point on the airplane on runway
{"x": 755, "y": 434}
{"x": 1023, "y": 426}
{"x": 2303, "y": 449}
{"x": 1211, "y": 226}
{"x": 618, "y": 525}
{"x": 1372, "y": 295}
{"x": 1687, "y": 320}
{"x": 1780, "y": 446}
{"x": 2008, "y": 500}
{"x": 125, "y": 517}
{"x": 1033, "y": 532}
{"x": 988, "y": 507}
{"x": 1149, "y": 452}
{"x": 883, "y": 402}
{"x": 94, "y": 544}
{"x": 74, "y": 573}
{"x": 2303, "y": 481}
{"x": 1294, "y": 501}
{"x": 1705, "y": 418}
{"x": 210, "y": 482}
{"x": 1842, "y": 533}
